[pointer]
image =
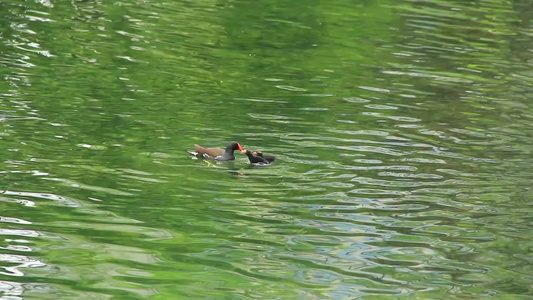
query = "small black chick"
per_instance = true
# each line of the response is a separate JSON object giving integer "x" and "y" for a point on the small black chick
{"x": 268, "y": 158}
{"x": 254, "y": 159}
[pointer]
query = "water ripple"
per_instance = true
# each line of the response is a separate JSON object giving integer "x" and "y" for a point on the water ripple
{"x": 402, "y": 142}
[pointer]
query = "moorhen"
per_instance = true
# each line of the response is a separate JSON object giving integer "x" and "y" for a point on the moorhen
{"x": 254, "y": 159}
{"x": 216, "y": 153}
{"x": 268, "y": 158}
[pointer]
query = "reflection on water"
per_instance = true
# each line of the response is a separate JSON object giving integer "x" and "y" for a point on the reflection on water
{"x": 401, "y": 132}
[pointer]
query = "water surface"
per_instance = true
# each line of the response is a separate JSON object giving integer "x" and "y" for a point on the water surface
{"x": 402, "y": 131}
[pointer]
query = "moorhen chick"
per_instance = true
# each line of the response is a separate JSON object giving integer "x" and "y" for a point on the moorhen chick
{"x": 268, "y": 158}
{"x": 254, "y": 159}
{"x": 216, "y": 153}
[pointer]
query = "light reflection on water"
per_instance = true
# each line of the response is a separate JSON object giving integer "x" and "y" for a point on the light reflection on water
{"x": 401, "y": 132}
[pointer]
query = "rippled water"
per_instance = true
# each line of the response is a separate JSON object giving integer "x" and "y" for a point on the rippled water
{"x": 402, "y": 131}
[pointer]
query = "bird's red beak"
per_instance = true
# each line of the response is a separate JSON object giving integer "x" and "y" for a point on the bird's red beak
{"x": 239, "y": 147}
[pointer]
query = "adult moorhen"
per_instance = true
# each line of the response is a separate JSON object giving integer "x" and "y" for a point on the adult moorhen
{"x": 216, "y": 153}
{"x": 268, "y": 158}
{"x": 254, "y": 159}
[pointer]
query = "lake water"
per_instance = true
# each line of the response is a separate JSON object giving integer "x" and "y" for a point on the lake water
{"x": 403, "y": 132}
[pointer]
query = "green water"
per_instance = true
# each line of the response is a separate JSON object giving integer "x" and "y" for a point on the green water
{"x": 403, "y": 132}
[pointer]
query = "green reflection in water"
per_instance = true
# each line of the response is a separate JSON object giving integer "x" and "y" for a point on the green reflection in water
{"x": 401, "y": 130}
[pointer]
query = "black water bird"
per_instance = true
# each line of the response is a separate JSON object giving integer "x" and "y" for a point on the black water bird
{"x": 216, "y": 153}
{"x": 268, "y": 158}
{"x": 257, "y": 159}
